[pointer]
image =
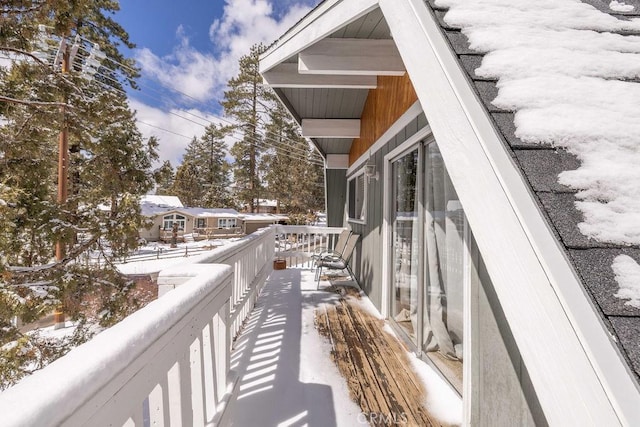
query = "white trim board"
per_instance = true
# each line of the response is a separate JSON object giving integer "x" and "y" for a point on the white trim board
{"x": 327, "y": 18}
{"x": 356, "y": 57}
{"x": 287, "y": 76}
{"x": 576, "y": 370}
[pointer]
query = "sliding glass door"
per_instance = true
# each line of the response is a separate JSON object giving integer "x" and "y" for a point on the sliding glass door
{"x": 427, "y": 256}
{"x": 405, "y": 238}
{"x": 444, "y": 227}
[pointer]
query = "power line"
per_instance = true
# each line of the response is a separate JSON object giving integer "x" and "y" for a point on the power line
{"x": 180, "y": 92}
{"x": 297, "y": 153}
{"x": 165, "y": 130}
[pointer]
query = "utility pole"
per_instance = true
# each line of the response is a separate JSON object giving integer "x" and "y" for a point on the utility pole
{"x": 63, "y": 157}
{"x": 63, "y": 175}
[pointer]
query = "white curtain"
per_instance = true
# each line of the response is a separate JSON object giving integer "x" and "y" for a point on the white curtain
{"x": 444, "y": 226}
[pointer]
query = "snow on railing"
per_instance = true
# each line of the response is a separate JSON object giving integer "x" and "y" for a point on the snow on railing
{"x": 296, "y": 243}
{"x": 166, "y": 364}
{"x": 252, "y": 260}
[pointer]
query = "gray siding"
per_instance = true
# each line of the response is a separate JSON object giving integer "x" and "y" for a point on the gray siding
{"x": 368, "y": 260}
{"x": 336, "y": 196}
{"x": 503, "y": 395}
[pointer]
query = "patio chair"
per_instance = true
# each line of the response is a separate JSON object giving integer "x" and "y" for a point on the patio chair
{"x": 338, "y": 262}
{"x": 323, "y": 251}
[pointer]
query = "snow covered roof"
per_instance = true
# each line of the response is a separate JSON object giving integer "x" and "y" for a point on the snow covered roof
{"x": 561, "y": 81}
{"x": 256, "y": 217}
{"x": 149, "y": 209}
{"x": 211, "y": 212}
{"x": 267, "y": 202}
{"x": 171, "y": 201}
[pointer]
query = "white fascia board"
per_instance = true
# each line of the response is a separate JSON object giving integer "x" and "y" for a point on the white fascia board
{"x": 578, "y": 373}
{"x": 331, "y": 128}
{"x": 286, "y": 75}
{"x": 328, "y": 17}
{"x": 351, "y": 57}
{"x": 337, "y": 161}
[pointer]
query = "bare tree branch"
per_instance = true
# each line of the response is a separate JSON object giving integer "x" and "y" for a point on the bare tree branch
{"x": 37, "y": 103}
{"x": 24, "y": 53}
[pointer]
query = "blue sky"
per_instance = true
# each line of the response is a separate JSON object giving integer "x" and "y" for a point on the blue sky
{"x": 188, "y": 51}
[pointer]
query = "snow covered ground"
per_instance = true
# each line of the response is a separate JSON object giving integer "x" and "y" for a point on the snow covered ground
{"x": 156, "y": 256}
{"x": 286, "y": 375}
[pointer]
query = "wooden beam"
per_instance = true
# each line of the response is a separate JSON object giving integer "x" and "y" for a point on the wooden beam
{"x": 352, "y": 57}
{"x": 331, "y": 128}
{"x": 286, "y": 75}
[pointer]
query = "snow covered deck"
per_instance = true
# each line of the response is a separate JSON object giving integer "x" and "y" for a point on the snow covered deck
{"x": 172, "y": 362}
{"x": 287, "y": 374}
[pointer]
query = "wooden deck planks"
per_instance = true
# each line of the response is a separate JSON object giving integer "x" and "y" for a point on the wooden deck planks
{"x": 374, "y": 363}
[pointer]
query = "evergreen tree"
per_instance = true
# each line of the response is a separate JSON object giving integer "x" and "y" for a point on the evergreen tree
{"x": 214, "y": 168}
{"x": 203, "y": 178}
{"x": 187, "y": 183}
{"x": 164, "y": 177}
{"x": 292, "y": 170}
{"x": 246, "y": 101}
{"x": 110, "y": 165}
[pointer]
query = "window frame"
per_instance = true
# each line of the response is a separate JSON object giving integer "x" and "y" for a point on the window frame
{"x": 168, "y": 220}
{"x": 229, "y": 223}
{"x": 353, "y": 181}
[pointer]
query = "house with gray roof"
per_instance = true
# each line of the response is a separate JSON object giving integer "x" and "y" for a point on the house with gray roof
{"x": 487, "y": 152}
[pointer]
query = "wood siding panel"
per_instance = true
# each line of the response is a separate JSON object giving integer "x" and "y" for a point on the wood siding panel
{"x": 384, "y": 105}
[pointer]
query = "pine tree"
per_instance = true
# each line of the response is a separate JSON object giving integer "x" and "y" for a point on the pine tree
{"x": 203, "y": 177}
{"x": 214, "y": 168}
{"x": 292, "y": 170}
{"x": 110, "y": 166}
{"x": 187, "y": 184}
{"x": 164, "y": 177}
{"x": 246, "y": 101}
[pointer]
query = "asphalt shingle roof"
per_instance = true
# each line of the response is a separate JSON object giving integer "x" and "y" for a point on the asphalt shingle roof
{"x": 540, "y": 164}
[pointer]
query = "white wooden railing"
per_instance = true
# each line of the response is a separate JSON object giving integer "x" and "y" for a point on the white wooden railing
{"x": 295, "y": 243}
{"x": 168, "y": 363}
{"x": 251, "y": 259}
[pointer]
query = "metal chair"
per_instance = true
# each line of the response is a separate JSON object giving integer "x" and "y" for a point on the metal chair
{"x": 338, "y": 262}
{"x": 323, "y": 251}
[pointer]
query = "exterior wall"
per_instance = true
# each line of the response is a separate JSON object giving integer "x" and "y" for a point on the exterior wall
{"x": 336, "y": 196}
{"x": 152, "y": 234}
{"x": 384, "y": 106}
{"x": 251, "y": 227}
{"x": 503, "y": 394}
{"x": 367, "y": 261}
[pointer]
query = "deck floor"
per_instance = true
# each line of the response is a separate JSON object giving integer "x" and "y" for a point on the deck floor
{"x": 373, "y": 362}
{"x": 291, "y": 375}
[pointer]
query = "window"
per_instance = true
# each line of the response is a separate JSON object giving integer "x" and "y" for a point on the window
{"x": 226, "y": 222}
{"x": 427, "y": 256}
{"x": 168, "y": 220}
{"x": 201, "y": 223}
{"x": 357, "y": 198}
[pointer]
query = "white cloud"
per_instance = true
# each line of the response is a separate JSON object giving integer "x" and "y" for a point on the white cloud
{"x": 203, "y": 75}
{"x": 174, "y": 133}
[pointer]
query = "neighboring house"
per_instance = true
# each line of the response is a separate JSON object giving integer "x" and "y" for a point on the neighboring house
{"x": 487, "y": 152}
{"x": 155, "y": 199}
{"x": 253, "y": 222}
{"x": 267, "y": 206}
{"x": 198, "y": 223}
